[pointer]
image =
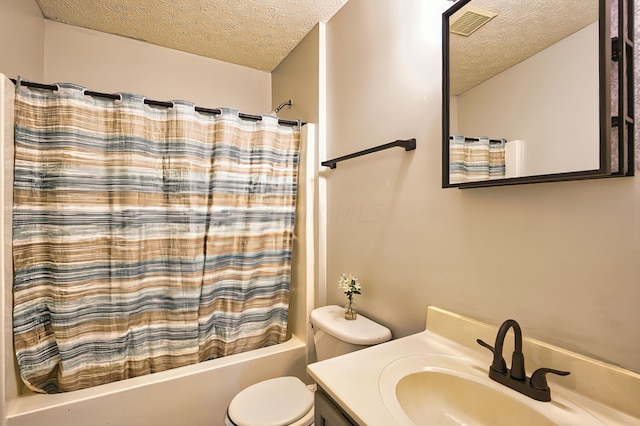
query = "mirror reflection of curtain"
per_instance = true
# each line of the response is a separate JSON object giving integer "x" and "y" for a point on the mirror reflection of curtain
{"x": 145, "y": 238}
{"x": 474, "y": 159}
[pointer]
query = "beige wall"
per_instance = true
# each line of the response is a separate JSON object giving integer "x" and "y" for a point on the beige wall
{"x": 561, "y": 258}
{"x": 109, "y": 63}
{"x": 21, "y": 39}
{"x": 298, "y": 77}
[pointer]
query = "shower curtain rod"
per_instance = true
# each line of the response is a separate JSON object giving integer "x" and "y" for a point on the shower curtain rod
{"x": 114, "y": 96}
{"x": 478, "y": 139}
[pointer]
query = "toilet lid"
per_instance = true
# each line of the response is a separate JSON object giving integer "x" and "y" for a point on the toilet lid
{"x": 275, "y": 402}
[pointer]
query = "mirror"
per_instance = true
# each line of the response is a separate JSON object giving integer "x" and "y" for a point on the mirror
{"x": 527, "y": 92}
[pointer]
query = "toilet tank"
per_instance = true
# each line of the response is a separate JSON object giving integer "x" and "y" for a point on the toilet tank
{"x": 334, "y": 335}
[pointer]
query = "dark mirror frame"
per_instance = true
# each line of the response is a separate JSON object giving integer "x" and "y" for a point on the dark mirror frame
{"x": 618, "y": 51}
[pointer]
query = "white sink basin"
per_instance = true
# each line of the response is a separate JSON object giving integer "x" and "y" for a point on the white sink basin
{"x": 444, "y": 390}
{"x": 445, "y": 397}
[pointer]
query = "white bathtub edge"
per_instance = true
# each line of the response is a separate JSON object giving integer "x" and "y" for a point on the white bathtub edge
{"x": 20, "y": 408}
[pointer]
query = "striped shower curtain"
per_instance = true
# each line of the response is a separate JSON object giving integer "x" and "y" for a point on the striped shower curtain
{"x": 145, "y": 238}
{"x": 474, "y": 159}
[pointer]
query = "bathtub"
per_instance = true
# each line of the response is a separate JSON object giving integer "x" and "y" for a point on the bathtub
{"x": 193, "y": 395}
{"x": 187, "y": 396}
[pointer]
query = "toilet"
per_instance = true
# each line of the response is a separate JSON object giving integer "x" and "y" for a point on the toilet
{"x": 287, "y": 401}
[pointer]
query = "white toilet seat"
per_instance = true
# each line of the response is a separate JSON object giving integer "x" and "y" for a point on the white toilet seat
{"x": 283, "y": 401}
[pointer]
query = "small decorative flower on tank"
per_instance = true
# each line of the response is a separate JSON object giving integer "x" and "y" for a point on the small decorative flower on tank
{"x": 350, "y": 286}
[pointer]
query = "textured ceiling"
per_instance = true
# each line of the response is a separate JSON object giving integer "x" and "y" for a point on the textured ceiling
{"x": 254, "y": 33}
{"x": 521, "y": 29}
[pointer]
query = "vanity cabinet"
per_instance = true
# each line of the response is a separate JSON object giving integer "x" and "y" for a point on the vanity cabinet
{"x": 328, "y": 413}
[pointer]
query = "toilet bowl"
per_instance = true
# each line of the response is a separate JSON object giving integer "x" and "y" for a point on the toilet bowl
{"x": 280, "y": 401}
{"x": 287, "y": 401}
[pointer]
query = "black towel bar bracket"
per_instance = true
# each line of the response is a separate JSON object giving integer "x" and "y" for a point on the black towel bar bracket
{"x": 408, "y": 145}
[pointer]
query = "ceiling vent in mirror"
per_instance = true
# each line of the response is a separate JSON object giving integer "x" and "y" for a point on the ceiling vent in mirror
{"x": 470, "y": 20}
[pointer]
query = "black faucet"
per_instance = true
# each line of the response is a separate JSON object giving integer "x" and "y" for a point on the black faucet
{"x": 535, "y": 387}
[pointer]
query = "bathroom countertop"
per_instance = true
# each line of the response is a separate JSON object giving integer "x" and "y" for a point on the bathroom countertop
{"x": 353, "y": 380}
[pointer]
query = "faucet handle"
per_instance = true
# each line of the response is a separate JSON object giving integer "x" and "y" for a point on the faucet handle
{"x": 486, "y": 345}
{"x": 539, "y": 378}
{"x": 493, "y": 351}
